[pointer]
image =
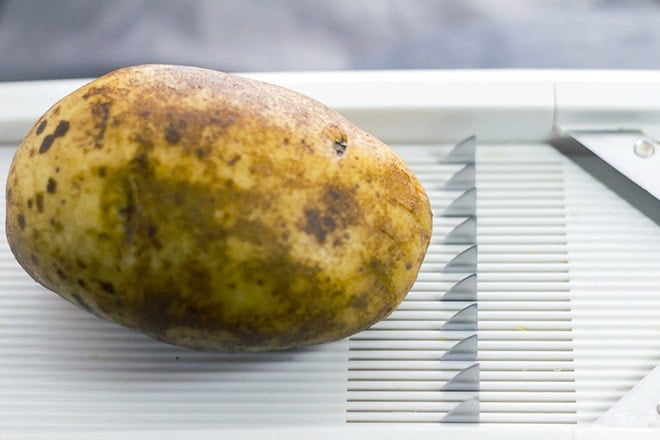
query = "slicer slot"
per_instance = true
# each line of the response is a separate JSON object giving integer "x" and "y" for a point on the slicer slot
{"x": 463, "y": 152}
{"x": 464, "y": 412}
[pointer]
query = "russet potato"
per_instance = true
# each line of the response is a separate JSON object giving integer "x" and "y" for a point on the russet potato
{"x": 215, "y": 212}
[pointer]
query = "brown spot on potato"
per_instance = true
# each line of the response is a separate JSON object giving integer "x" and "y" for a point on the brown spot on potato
{"x": 150, "y": 231}
{"x": 337, "y": 209}
{"x": 78, "y": 299}
{"x": 201, "y": 152}
{"x": 227, "y": 118}
{"x": 100, "y": 112}
{"x": 318, "y": 225}
{"x": 127, "y": 212}
{"x": 101, "y": 171}
{"x": 172, "y": 135}
{"x": 60, "y": 131}
{"x": 360, "y": 301}
{"x": 107, "y": 287}
{"x": 62, "y": 128}
{"x": 96, "y": 90}
{"x": 308, "y": 148}
{"x": 409, "y": 265}
{"x": 233, "y": 160}
{"x": 141, "y": 160}
{"x": 46, "y": 143}
{"x": 145, "y": 143}
{"x": 41, "y": 127}
{"x": 20, "y": 218}
{"x": 57, "y": 226}
{"x": 51, "y": 185}
{"x": 39, "y": 200}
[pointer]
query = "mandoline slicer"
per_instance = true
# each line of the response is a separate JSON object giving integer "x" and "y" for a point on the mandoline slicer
{"x": 536, "y": 314}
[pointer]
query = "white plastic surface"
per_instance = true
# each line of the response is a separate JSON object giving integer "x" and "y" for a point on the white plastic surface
{"x": 615, "y": 295}
{"x": 639, "y": 407}
{"x": 597, "y": 104}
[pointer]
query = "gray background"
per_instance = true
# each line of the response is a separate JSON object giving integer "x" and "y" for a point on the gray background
{"x": 76, "y": 38}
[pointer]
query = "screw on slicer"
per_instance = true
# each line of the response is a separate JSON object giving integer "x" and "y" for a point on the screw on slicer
{"x": 644, "y": 148}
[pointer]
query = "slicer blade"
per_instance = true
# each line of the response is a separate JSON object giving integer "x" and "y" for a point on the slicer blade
{"x": 627, "y": 161}
{"x": 464, "y": 205}
{"x": 464, "y": 413}
{"x": 464, "y": 262}
{"x": 464, "y": 290}
{"x": 462, "y": 180}
{"x": 463, "y": 320}
{"x": 464, "y": 232}
{"x": 464, "y": 350}
{"x": 463, "y": 152}
{"x": 465, "y": 380}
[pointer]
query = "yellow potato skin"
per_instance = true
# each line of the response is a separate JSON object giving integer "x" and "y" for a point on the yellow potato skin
{"x": 215, "y": 212}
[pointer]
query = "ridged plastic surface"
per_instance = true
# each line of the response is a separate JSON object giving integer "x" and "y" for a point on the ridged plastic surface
{"x": 525, "y": 337}
{"x": 614, "y": 254}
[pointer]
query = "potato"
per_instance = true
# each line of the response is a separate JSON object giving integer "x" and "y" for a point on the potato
{"x": 215, "y": 212}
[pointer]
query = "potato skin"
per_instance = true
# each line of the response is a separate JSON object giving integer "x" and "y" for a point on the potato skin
{"x": 215, "y": 212}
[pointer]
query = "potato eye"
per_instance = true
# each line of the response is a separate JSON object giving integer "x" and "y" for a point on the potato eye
{"x": 340, "y": 147}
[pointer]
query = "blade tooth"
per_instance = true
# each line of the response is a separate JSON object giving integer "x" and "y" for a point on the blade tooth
{"x": 464, "y": 320}
{"x": 464, "y": 205}
{"x": 464, "y": 179}
{"x": 463, "y": 233}
{"x": 465, "y": 412}
{"x": 465, "y": 380}
{"x": 463, "y": 262}
{"x": 464, "y": 290}
{"x": 465, "y": 350}
{"x": 463, "y": 152}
